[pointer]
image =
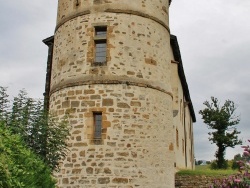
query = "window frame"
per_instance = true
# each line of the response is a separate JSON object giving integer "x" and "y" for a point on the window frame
{"x": 100, "y": 38}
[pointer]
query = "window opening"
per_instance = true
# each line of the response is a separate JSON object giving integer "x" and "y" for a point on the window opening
{"x": 100, "y": 45}
{"x": 183, "y": 146}
{"x": 101, "y": 31}
{"x": 177, "y": 137}
{"x": 97, "y": 127}
{"x": 100, "y": 53}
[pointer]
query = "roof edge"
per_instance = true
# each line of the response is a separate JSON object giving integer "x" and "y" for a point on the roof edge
{"x": 48, "y": 41}
{"x": 177, "y": 57}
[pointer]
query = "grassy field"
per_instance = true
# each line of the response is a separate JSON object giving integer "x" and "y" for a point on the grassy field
{"x": 205, "y": 170}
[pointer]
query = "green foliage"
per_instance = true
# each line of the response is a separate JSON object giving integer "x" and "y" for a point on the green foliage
{"x": 223, "y": 121}
{"x": 40, "y": 132}
{"x": 235, "y": 165}
{"x": 242, "y": 179}
{"x": 55, "y": 147}
{"x": 214, "y": 165}
{"x": 207, "y": 171}
{"x": 199, "y": 162}
{"x": 4, "y": 104}
{"x": 19, "y": 166}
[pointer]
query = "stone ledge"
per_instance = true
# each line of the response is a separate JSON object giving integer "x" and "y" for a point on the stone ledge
{"x": 92, "y": 82}
{"x": 110, "y": 10}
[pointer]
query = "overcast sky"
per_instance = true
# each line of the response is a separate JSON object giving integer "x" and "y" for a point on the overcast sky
{"x": 214, "y": 39}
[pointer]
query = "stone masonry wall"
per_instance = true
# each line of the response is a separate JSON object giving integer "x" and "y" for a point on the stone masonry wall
{"x": 132, "y": 90}
{"x": 137, "y": 149}
{"x": 156, "y": 10}
{"x": 134, "y": 50}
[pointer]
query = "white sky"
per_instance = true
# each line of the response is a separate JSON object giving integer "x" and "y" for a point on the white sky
{"x": 214, "y": 39}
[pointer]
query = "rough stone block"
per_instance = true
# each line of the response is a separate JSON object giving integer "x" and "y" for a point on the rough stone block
{"x": 120, "y": 180}
{"x": 107, "y": 102}
{"x": 123, "y": 105}
{"x": 103, "y": 180}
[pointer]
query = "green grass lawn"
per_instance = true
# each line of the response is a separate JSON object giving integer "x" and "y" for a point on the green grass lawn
{"x": 205, "y": 170}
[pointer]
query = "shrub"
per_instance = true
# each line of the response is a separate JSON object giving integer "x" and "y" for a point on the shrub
{"x": 19, "y": 166}
{"x": 238, "y": 157}
{"x": 214, "y": 165}
{"x": 241, "y": 180}
{"x": 41, "y": 133}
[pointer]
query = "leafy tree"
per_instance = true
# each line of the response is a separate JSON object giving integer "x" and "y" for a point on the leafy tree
{"x": 235, "y": 164}
{"x": 49, "y": 139}
{"x": 223, "y": 121}
{"x": 4, "y": 104}
{"x": 199, "y": 162}
{"x": 242, "y": 178}
{"x": 20, "y": 115}
{"x": 19, "y": 166}
{"x": 41, "y": 133}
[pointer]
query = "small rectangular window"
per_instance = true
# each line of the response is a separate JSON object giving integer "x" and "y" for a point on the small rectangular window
{"x": 183, "y": 147}
{"x": 100, "y": 53}
{"x": 100, "y": 45}
{"x": 97, "y": 127}
{"x": 177, "y": 138}
{"x": 101, "y": 31}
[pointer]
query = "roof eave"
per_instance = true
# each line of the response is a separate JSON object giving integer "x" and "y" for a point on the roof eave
{"x": 177, "y": 56}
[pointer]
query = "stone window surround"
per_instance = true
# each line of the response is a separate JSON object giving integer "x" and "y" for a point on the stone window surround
{"x": 89, "y": 121}
{"x": 98, "y": 39}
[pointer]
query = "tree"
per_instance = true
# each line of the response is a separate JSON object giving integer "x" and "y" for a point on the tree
{"x": 4, "y": 104}
{"x": 19, "y": 166}
{"x": 235, "y": 164}
{"x": 199, "y": 162}
{"x": 223, "y": 121}
{"x": 41, "y": 133}
{"x": 48, "y": 139}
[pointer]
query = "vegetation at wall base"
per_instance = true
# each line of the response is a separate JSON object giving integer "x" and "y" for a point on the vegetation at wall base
{"x": 19, "y": 166}
{"x": 31, "y": 142}
{"x": 207, "y": 171}
{"x": 227, "y": 178}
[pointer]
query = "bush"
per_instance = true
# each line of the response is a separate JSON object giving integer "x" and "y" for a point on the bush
{"x": 214, "y": 165}
{"x": 19, "y": 167}
{"x": 40, "y": 132}
{"x": 242, "y": 180}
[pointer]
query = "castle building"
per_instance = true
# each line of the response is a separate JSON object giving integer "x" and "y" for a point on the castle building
{"x": 114, "y": 68}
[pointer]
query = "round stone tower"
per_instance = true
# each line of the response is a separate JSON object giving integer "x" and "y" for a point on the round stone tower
{"x": 111, "y": 74}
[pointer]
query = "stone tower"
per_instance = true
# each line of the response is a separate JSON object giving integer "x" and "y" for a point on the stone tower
{"x": 109, "y": 69}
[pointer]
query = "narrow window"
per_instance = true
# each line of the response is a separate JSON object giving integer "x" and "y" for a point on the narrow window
{"x": 181, "y": 109}
{"x": 183, "y": 149}
{"x": 97, "y": 127}
{"x": 177, "y": 138}
{"x": 100, "y": 45}
{"x": 100, "y": 54}
{"x": 101, "y": 31}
